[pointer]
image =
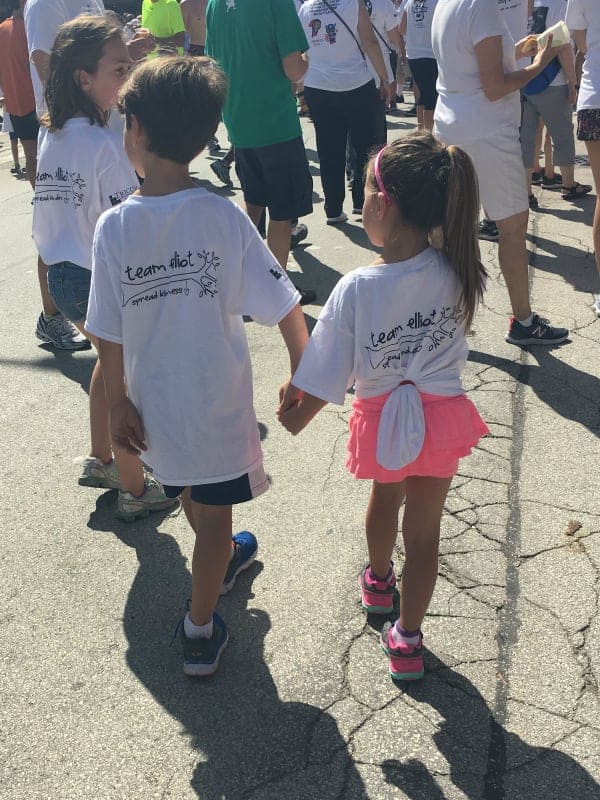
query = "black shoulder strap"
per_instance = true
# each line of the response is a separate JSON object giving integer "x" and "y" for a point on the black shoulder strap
{"x": 345, "y": 24}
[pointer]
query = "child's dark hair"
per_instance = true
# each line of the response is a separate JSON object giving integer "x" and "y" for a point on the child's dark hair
{"x": 79, "y": 45}
{"x": 436, "y": 187}
{"x": 178, "y": 102}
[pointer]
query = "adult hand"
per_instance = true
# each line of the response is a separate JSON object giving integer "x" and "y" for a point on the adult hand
{"x": 126, "y": 429}
{"x": 141, "y": 44}
{"x": 544, "y": 56}
{"x": 386, "y": 92}
{"x": 573, "y": 92}
{"x": 526, "y": 47}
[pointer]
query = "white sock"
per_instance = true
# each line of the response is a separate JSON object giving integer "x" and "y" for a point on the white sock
{"x": 197, "y": 631}
{"x": 527, "y": 321}
{"x": 399, "y": 638}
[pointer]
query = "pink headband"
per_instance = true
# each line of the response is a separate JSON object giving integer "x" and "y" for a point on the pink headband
{"x": 378, "y": 180}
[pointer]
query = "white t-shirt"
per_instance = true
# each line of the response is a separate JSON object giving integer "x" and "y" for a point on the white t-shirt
{"x": 547, "y": 13}
{"x": 42, "y": 21}
{"x": 584, "y": 15}
{"x": 171, "y": 279}
{"x": 419, "y": 16}
{"x": 463, "y": 113}
{"x": 516, "y": 13}
{"x": 81, "y": 171}
{"x": 390, "y": 328}
{"x": 335, "y": 63}
{"x": 384, "y": 18}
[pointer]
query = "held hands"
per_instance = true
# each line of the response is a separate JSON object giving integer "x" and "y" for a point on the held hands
{"x": 126, "y": 429}
{"x": 290, "y": 411}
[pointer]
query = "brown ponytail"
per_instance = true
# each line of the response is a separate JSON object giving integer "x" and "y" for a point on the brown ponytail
{"x": 436, "y": 187}
{"x": 461, "y": 243}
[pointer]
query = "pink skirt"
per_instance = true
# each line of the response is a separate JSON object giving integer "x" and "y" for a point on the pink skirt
{"x": 453, "y": 427}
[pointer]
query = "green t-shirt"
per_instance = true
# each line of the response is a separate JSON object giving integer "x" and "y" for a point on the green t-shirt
{"x": 163, "y": 19}
{"x": 249, "y": 39}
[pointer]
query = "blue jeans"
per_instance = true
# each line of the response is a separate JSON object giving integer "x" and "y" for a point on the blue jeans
{"x": 69, "y": 287}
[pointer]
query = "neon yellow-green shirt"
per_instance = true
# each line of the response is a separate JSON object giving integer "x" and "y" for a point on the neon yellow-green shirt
{"x": 162, "y": 18}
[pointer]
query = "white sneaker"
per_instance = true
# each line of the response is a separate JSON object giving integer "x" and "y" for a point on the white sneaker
{"x": 130, "y": 507}
{"x": 596, "y": 305}
{"x": 336, "y": 220}
{"x": 99, "y": 475}
{"x": 60, "y": 333}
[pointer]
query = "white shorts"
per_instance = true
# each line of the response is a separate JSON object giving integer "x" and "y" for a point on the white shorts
{"x": 499, "y": 166}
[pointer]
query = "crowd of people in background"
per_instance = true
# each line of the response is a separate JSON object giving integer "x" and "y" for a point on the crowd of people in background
{"x": 132, "y": 249}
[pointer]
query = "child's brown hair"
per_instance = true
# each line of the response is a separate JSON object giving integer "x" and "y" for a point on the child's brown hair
{"x": 79, "y": 45}
{"x": 178, "y": 102}
{"x": 436, "y": 187}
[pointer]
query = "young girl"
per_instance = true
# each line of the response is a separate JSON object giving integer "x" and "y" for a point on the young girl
{"x": 83, "y": 170}
{"x": 396, "y": 330}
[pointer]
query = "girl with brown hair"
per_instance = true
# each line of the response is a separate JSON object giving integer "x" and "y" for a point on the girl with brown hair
{"x": 396, "y": 331}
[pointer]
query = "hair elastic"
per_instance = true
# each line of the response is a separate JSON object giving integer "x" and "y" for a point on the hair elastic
{"x": 378, "y": 180}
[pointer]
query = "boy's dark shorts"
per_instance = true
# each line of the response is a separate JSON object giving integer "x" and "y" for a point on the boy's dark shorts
{"x": 276, "y": 177}
{"x": 227, "y": 493}
{"x": 27, "y": 127}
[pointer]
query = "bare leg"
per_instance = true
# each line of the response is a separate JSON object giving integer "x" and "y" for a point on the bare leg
{"x": 382, "y": 524}
{"x": 568, "y": 176}
{"x": 30, "y": 150}
{"x": 212, "y": 551}
{"x": 538, "y": 146}
{"x": 512, "y": 255}
{"x": 48, "y": 304}
{"x": 131, "y": 470}
{"x": 425, "y": 499}
{"x": 278, "y": 234}
{"x": 548, "y": 156}
{"x": 593, "y": 149}
{"x": 420, "y": 118}
{"x": 278, "y": 238}
{"x": 427, "y": 119}
{"x": 14, "y": 149}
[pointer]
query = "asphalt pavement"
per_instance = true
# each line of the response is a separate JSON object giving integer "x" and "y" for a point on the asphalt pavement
{"x": 93, "y": 702}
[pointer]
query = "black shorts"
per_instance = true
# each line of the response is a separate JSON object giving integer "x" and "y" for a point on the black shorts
{"x": 227, "y": 493}
{"x": 27, "y": 127}
{"x": 196, "y": 50}
{"x": 276, "y": 177}
{"x": 588, "y": 125}
{"x": 425, "y": 74}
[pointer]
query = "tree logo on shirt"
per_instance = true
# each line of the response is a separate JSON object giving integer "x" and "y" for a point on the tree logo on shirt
{"x": 315, "y": 26}
{"x": 148, "y": 282}
{"x": 230, "y": 5}
{"x": 331, "y": 32}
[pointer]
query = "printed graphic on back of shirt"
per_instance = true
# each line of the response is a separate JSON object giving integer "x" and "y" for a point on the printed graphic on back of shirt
{"x": 63, "y": 185}
{"x": 185, "y": 274}
{"x": 422, "y": 330}
{"x": 419, "y": 9}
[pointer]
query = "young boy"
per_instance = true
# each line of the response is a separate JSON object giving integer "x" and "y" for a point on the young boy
{"x": 175, "y": 268}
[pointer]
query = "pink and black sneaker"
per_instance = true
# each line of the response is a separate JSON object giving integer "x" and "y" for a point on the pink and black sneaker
{"x": 377, "y": 594}
{"x": 406, "y": 660}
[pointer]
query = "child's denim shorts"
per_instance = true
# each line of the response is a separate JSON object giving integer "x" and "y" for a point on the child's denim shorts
{"x": 69, "y": 287}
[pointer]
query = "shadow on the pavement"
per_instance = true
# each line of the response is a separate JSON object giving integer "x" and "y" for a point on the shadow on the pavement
{"x": 245, "y": 736}
{"x": 485, "y": 761}
{"x": 575, "y": 265}
{"x": 315, "y": 274}
{"x": 570, "y": 392}
{"x": 581, "y": 210}
{"x": 76, "y": 366}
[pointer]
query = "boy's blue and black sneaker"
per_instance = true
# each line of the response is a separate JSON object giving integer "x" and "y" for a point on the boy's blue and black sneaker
{"x": 245, "y": 548}
{"x": 539, "y": 332}
{"x": 201, "y": 656}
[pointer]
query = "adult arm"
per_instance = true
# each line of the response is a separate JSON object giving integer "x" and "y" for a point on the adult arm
{"x": 295, "y": 66}
{"x": 567, "y": 63}
{"x": 366, "y": 34}
{"x": 495, "y": 82}
{"x": 41, "y": 62}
